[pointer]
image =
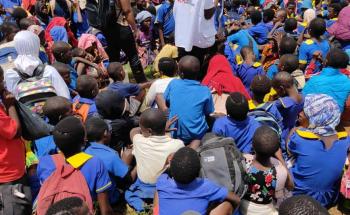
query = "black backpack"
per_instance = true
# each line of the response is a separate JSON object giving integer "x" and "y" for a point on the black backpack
{"x": 100, "y": 13}
{"x": 223, "y": 163}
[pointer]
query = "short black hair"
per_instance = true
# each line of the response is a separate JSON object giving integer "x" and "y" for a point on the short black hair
{"x": 25, "y": 23}
{"x": 86, "y": 86}
{"x": 260, "y": 86}
{"x": 55, "y": 108}
{"x": 60, "y": 67}
{"x": 18, "y": 14}
{"x": 95, "y": 129}
{"x": 256, "y": 17}
{"x": 7, "y": 29}
{"x": 185, "y": 165}
{"x": 167, "y": 66}
{"x": 154, "y": 119}
{"x": 301, "y": 204}
{"x": 268, "y": 15}
{"x": 290, "y": 63}
{"x": 336, "y": 7}
{"x": 337, "y": 58}
{"x": 110, "y": 104}
{"x": 237, "y": 106}
{"x": 290, "y": 24}
{"x": 245, "y": 50}
{"x": 265, "y": 141}
{"x": 59, "y": 48}
{"x": 65, "y": 206}
{"x": 287, "y": 46}
{"x": 189, "y": 67}
{"x": 317, "y": 27}
{"x": 282, "y": 79}
{"x": 114, "y": 69}
{"x": 69, "y": 135}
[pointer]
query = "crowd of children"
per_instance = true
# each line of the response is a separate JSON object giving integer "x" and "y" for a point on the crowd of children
{"x": 276, "y": 81}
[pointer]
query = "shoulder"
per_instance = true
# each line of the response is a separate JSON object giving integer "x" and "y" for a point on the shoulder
{"x": 308, "y": 42}
{"x": 256, "y": 64}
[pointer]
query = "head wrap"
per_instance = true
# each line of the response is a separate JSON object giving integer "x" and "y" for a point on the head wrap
{"x": 86, "y": 41}
{"x": 142, "y": 16}
{"x": 323, "y": 114}
{"x": 309, "y": 15}
{"x": 59, "y": 33}
{"x": 27, "y": 45}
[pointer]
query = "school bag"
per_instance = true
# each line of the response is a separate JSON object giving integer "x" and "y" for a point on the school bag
{"x": 223, "y": 163}
{"x": 264, "y": 117}
{"x": 64, "y": 182}
{"x": 34, "y": 90}
{"x": 81, "y": 110}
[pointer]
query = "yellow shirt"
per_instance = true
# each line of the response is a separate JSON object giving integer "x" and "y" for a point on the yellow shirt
{"x": 267, "y": 98}
{"x": 167, "y": 51}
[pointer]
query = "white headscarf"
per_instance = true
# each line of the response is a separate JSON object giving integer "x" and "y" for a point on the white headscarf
{"x": 27, "y": 45}
{"x": 309, "y": 15}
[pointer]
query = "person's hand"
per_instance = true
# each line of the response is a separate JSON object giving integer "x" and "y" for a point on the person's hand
{"x": 317, "y": 55}
{"x": 169, "y": 123}
{"x": 8, "y": 99}
{"x": 278, "y": 37}
{"x": 278, "y": 24}
{"x": 126, "y": 155}
{"x": 136, "y": 33}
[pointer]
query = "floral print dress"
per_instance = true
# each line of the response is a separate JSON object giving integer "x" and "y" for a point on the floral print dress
{"x": 261, "y": 185}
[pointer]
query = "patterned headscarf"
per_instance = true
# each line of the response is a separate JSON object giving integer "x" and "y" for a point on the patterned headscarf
{"x": 323, "y": 114}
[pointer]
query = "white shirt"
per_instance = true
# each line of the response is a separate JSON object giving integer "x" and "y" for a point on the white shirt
{"x": 151, "y": 154}
{"x": 191, "y": 27}
{"x": 159, "y": 86}
{"x": 12, "y": 79}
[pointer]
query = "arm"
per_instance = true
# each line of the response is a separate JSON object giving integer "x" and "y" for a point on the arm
{"x": 156, "y": 203}
{"x": 289, "y": 182}
{"x": 134, "y": 131}
{"x": 104, "y": 205}
{"x": 81, "y": 68}
{"x": 161, "y": 102}
{"x": 9, "y": 102}
{"x": 209, "y": 8}
{"x": 161, "y": 35}
{"x": 77, "y": 7}
{"x": 145, "y": 85}
{"x": 128, "y": 13}
{"x": 233, "y": 199}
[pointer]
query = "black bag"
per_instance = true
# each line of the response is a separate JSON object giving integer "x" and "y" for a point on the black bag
{"x": 223, "y": 163}
{"x": 15, "y": 199}
{"x": 33, "y": 126}
{"x": 101, "y": 13}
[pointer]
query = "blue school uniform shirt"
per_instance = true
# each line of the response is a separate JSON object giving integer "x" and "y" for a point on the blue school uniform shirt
{"x": 45, "y": 146}
{"x": 191, "y": 102}
{"x": 272, "y": 70}
{"x": 175, "y": 198}
{"x": 241, "y": 131}
{"x": 111, "y": 160}
{"x": 309, "y": 47}
{"x": 92, "y": 168}
{"x": 289, "y": 110}
{"x": 90, "y": 102}
{"x": 125, "y": 89}
{"x": 243, "y": 38}
{"x": 83, "y": 26}
{"x": 165, "y": 18}
{"x": 10, "y": 4}
{"x": 247, "y": 73}
{"x": 316, "y": 170}
{"x": 259, "y": 32}
{"x": 268, "y": 25}
{"x": 330, "y": 82}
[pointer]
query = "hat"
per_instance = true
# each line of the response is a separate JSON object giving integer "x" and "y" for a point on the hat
{"x": 142, "y": 16}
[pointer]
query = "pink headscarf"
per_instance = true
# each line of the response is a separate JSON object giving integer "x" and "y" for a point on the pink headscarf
{"x": 341, "y": 29}
{"x": 86, "y": 41}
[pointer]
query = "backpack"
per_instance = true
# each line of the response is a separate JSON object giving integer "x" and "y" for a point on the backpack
{"x": 262, "y": 115}
{"x": 81, "y": 110}
{"x": 64, "y": 182}
{"x": 34, "y": 90}
{"x": 101, "y": 13}
{"x": 223, "y": 163}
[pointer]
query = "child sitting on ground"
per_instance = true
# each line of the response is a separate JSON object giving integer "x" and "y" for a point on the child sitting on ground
{"x": 69, "y": 136}
{"x": 99, "y": 137}
{"x": 64, "y": 71}
{"x": 289, "y": 63}
{"x": 84, "y": 63}
{"x": 183, "y": 187}
{"x": 237, "y": 124}
{"x": 249, "y": 68}
{"x": 258, "y": 30}
{"x": 267, "y": 176}
{"x": 151, "y": 147}
{"x": 84, "y": 103}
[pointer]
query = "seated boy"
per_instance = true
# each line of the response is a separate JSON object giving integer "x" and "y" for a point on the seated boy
{"x": 69, "y": 136}
{"x": 289, "y": 63}
{"x": 190, "y": 101}
{"x": 249, "y": 68}
{"x": 151, "y": 147}
{"x": 168, "y": 69}
{"x": 87, "y": 88}
{"x": 289, "y": 103}
{"x": 182, "y": 190}
{"x": 258, "y": 30}
{"x": 64, "y": 71}
{"x": 99, "y": 137}
{"x": 237, "y": 124}
{"x": 55, "y": 109}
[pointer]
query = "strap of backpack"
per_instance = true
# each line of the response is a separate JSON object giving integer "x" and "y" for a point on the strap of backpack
{"x": 58, "y": 159}
{"x": 38, "y": 72}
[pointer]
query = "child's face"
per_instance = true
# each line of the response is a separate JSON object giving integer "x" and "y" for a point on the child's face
{"x": 121, "y": 74}
{"x": 303, "y": 121}
{"x": 331, "y": 13}
{"x": 290, "y": 9}
{"x": 65, "y": 74}
{"x": 147, "y": 23}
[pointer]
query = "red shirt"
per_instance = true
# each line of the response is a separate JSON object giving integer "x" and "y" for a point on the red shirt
{"x": 12, "y": 150}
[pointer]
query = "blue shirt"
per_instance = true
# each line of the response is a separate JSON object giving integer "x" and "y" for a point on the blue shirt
{"x": 241, "y": 131}
{"x": 330, "y": 82}
{"x": 111, "y": 160}
{"x": 317, "y": 170}
{"x": 165, "y": 18}
{"x": 272, "y": 70}
{"x": 268, "y": 25}
{"x": 191, "y": 102}
{"x": 10, "y": 4}
{"x": 90, "y": 102}
{"x": 93, "y": 170}
{"x": 259, "y": 32}
{"x": 242, "y": 38}
{"x": 125, "y": 89}
{"x": 309, "y": 47}
{"x": 45, "y": 146}
{"x": 83, "y": 26}
{"x": 247, "y": 73}
{"x": 175, "y": 198}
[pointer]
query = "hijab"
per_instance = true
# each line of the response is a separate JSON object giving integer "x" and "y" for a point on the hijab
{"x": 220, "y": 77}
{"x": 309, "y": 15}
{"x": 27, "y": 45}
{"x": 86, "y": 41}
